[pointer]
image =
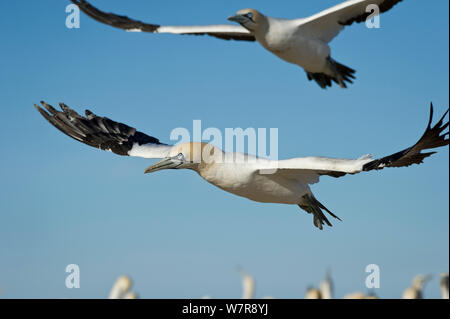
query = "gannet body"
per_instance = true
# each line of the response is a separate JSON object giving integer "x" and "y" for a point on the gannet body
{"x": 258, "y": 179}
{"x": 303, "y": 42}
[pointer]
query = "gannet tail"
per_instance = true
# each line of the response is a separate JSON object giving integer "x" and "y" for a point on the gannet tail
{"x": 312, "y": 206}
{"x": 341, "y": 75}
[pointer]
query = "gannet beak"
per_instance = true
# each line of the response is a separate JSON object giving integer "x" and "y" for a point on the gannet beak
{"x": 238, "y": 18}
{"x": 167, "y": 163}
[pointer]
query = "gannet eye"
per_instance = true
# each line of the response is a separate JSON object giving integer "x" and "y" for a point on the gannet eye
{"x": 180, "y": 157}
{"x": 249, "y": 15}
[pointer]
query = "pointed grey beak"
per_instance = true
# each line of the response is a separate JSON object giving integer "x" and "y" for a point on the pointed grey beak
{"x": 238, "y": 18}
{"x": 166, "y": 163}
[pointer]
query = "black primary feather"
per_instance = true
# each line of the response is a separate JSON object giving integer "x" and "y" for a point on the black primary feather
{"x": 95, "y": 131}
{"x": 431, "y": 138}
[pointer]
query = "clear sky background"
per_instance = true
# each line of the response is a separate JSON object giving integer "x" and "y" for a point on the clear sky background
{"x": 62, "y": 202}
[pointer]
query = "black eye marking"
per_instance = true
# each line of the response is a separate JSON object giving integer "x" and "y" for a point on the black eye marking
{"x": 249, "y": 15}
{"x": 180, "y": 157}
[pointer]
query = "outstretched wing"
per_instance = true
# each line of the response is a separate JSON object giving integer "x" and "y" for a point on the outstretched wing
{"x": 103, "y": 133}
{"x": 224, "y": 31}
{"x": 309, "y": 169}
{"x": 327, "y": 24}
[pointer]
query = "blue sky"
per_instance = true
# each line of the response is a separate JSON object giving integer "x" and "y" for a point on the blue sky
{"x": 62, "y": 202}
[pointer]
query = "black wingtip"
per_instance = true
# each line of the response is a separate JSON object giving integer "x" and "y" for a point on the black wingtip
{"x": 431, "y": 115}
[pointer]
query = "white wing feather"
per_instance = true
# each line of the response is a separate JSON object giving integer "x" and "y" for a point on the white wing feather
{"x": 327, "y": 24}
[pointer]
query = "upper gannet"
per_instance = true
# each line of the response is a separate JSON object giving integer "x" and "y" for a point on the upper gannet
{"x": 415, "y": 291}
{"x": 303, "y": 41}
{"x": 258, "y": 179}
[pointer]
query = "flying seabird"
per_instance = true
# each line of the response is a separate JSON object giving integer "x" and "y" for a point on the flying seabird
{"x": 303, "y": 42}
{"x": 258, "y": 179}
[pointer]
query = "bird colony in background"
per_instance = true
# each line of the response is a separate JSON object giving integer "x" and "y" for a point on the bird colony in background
{"x": 303, "y": 41}
{"x": 122, "y": 288}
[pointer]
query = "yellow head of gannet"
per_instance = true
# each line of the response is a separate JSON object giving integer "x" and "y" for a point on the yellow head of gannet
{"x": 250, "y": 19}
{"x": 193, "y": 155}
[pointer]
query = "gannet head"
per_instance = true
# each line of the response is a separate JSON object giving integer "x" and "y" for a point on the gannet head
{"x": 250, "y": 19}
{"x": 189, "y": 156}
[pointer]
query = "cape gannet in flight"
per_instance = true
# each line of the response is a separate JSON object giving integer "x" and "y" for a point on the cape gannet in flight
{"x": 258, "y": 179}
{"x": 303, "y": 41}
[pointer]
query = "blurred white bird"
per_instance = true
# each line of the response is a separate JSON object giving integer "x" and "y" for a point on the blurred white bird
{"x": 360, "y": 295}
{"x": 248, "y": 284}
{"x": 122, "y": 289}
{"x": 325, "y": 290}
{"x": 415, "y": 291}
{"x": 255, "y": 178}
{"x": 313, "y": 293}
{"x": 326, "y": 286}
{"x": 443, "y": 283}
{"x": 303, "y": 42}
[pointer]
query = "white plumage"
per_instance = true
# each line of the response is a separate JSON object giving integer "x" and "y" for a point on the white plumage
{"x": 303, "y": 42}
{"x": 258, "y": 179}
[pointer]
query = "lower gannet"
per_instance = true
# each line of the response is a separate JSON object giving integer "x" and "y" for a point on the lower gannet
{"x": 259, "y": 179}
{"x": 303, "y": 41}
